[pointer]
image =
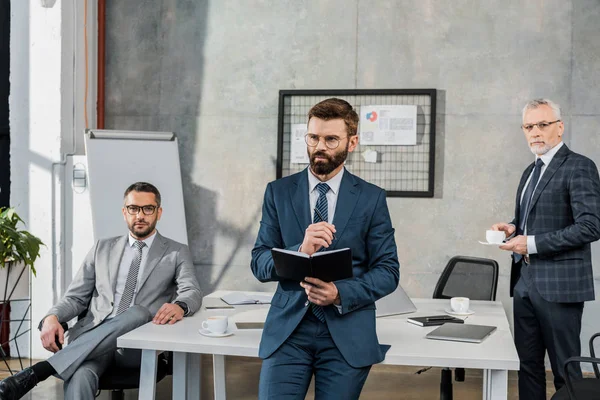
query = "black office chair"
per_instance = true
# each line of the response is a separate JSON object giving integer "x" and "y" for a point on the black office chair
{"x": 472, "y": 277}
{"x": 117, "y": 379}
{"x": 584, "y": 389}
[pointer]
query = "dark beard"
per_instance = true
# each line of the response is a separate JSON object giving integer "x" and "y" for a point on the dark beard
{"x": 325, "y": 168}
{"x": 143, "y": 233}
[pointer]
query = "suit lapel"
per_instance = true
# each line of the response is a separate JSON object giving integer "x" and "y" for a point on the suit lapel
{"x": 346, "y": 202}
{"x": 558, "y": 159}
{"x": 521, "y": 187}
{"x": 115, "y": 255}
{"x": 301, "y": 200}
{"x": 156, "y": 252}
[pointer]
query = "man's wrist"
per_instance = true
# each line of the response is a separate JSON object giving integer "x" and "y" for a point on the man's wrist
{"x": 45, "y": 318}
{"x": 183, "y": 306}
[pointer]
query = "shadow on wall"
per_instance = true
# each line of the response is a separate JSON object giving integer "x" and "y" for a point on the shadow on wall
{"x": 440, "y": 144}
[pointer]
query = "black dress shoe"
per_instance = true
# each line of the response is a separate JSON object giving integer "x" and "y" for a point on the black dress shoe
{"x": 16, "y": 386}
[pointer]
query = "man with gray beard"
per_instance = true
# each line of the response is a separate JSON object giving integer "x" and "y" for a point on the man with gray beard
{"x": 557, "y": 216}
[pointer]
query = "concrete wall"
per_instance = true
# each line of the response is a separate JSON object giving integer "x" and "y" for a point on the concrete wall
{"x": 211, "y": 72}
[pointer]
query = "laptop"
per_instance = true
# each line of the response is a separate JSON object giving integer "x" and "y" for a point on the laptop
{"x": 394, "y": 303}
{"x": 461, "y": 332}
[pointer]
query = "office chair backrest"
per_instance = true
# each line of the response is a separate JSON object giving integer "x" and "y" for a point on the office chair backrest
{"x": 472, "y": 277}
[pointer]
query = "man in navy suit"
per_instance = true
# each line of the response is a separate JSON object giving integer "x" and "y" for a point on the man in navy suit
{"x": 315, "y": 327}
{"x": 557, "y": 216}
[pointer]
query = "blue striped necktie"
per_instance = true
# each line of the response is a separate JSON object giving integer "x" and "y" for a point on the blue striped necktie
{"x": 322, "y": 211}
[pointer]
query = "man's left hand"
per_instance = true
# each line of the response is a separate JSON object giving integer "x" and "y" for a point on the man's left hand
{"x": 319, "y": 292}
{"x": 518, "y": 244}
{"x": 169, "y": 313}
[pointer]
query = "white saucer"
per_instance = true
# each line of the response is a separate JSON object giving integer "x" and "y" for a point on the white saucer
{"x": 458, "y": 314}
{"x": 491, "y": 244}
{"x": 208, "y": 333}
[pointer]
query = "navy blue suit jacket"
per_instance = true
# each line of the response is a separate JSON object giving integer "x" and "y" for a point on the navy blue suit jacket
{"x": 565, "y": 218}
{"x": 362, "y": 223}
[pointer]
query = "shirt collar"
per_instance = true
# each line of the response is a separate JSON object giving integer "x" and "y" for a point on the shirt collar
{"x": 546, "y": 158}
{"x": 148, "y": 241}
{"x": 334, "y": 183}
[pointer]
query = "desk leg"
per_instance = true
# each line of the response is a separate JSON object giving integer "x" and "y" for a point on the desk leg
{"x": 148, "y": 375}
{"x": 219, "y": 376}
{"x": 186, "y": 376}
{"x": 495, "y": 384}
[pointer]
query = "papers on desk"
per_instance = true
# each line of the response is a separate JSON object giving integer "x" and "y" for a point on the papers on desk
{"x": 238, "y": 298}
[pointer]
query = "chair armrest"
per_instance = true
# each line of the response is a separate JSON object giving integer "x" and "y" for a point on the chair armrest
{"x": 593, "y": 353}
{"x": 594, "y": 361}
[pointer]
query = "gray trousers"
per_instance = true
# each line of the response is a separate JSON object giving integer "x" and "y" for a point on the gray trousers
{"x": 81, "y": 363}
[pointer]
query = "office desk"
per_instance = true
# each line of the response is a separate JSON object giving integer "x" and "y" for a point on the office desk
{"x": 495, "y": 356}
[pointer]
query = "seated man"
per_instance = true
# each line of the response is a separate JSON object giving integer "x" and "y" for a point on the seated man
{"x": 124, "y": 282}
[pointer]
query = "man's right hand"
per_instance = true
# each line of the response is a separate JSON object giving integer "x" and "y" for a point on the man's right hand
{"x": 507, "y": 228}
{"x": 51, "y": 329}
{"x": 316, "y": 236}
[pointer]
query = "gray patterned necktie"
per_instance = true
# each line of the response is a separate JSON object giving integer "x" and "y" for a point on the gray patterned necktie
{"x": 526, "y": 202}
{"x": 132, "y": 278}
{"x": 321, "y": 211}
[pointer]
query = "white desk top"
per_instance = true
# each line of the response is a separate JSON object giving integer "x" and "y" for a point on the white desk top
{"x": 409, "y": 346}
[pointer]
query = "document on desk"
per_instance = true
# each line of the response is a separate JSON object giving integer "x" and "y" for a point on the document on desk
{"x": 239, "y": 298}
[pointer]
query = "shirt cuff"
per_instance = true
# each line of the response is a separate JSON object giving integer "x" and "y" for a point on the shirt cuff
{"x": 339, "y": 308}
{"x": 531, "y": 248}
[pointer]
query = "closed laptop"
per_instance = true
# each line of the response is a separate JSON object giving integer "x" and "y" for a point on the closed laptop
{"x": 461, "y": 332}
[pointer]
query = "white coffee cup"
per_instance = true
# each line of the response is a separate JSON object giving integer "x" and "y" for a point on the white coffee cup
{"x": 459, "y": 304}
{"x": 216, "y": 324}
{"x": 496, "y": 237}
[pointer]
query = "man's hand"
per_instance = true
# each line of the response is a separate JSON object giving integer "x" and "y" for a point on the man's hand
{"x": 316, "y": 236}
{"x": 51, "y": 329}
{"x": 319, "y": 292}
{"x": 168, "y": 313}
{"x": 507, "y": 228}
{"x": 518, "y": 244}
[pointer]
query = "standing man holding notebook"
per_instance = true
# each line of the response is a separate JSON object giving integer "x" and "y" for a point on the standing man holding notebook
{"x": 317, "y": 327}
{"x": 557, "y": 216}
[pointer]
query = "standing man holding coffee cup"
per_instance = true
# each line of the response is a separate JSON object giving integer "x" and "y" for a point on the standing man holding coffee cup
{"x": 557, "y": 216}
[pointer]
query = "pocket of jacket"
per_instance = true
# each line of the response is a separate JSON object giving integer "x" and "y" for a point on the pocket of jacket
{"x": 279, "y": 299}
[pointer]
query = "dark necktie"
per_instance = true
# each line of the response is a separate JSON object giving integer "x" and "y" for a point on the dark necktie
{"x": 132, "y": 278}
{"x": 526, "y": 201}
{"x": 321, "y": 211}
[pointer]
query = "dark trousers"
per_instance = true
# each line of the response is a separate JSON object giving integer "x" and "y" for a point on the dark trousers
{"x": 541, "y": 325}
{"x": 309, "y": 350}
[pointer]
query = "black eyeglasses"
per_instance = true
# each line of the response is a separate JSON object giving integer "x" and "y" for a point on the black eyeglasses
{"x": 332, "y": 142}
{"x": 135, "y": 210}
{"x": 542, "y": 126}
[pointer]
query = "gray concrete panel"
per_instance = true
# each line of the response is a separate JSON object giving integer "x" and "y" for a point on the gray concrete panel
{"x": 586, "y": 57}
{"x": 489, "y": 57}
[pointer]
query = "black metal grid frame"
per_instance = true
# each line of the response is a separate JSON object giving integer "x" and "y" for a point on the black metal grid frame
{"x": 404, "y": 154}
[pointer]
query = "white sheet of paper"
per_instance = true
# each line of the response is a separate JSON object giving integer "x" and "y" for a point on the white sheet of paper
{"x": 388, "y": 125}
{"x": 298, "y": 154}
{"x": 369, "y": 156}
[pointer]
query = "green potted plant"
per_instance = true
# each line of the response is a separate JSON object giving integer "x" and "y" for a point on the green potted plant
{"x": 17, "y": 248}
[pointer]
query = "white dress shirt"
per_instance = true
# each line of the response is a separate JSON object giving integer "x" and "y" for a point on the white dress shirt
{"x": 546, "y": 158}
{"x": 125, "y": 265}
{"x": 332, "y": 196}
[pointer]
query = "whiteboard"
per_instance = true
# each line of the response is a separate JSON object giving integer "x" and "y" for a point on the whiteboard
{"x": 116, "y": 159}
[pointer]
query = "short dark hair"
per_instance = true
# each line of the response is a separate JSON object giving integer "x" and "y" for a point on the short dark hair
{"x": 335, "y": 108}
{"x": 144, "y": 187}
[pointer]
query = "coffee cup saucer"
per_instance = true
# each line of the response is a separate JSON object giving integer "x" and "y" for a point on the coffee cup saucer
{"x": 491, "y": 244}
{"x": 459, "y": 314}
{"x": 208, "y": 333}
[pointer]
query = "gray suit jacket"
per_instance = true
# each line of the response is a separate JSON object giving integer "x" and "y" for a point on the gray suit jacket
{"x": 168, "y": 276}
{"x": 564, "y": 216}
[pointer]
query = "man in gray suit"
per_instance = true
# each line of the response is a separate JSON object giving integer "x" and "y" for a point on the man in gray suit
{"x": 124, "y": 282}
{"x": 557, "y": 216}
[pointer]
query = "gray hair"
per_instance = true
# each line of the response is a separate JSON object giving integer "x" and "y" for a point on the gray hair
{"x": 541, "y": 102}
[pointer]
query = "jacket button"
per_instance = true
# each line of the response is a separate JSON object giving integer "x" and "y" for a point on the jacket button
{"x": 306, "y": 304}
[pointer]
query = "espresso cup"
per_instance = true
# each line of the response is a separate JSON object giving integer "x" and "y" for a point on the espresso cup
{"x": 496, "y": 237}
{"x": 459, "y": 304}
{"x": 216, "y": 324}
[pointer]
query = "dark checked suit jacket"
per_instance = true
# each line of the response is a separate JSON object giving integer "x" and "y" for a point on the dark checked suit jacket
{"x": 362, "y": 223}
{"x": 565, "y": 218}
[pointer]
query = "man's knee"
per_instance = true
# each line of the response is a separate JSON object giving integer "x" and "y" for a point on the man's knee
{"x": 138, "y": 315}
